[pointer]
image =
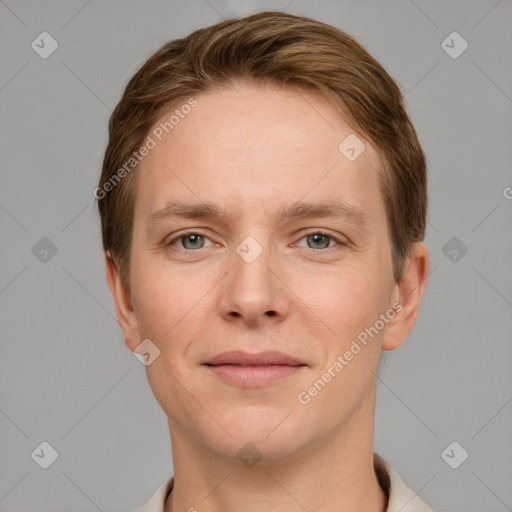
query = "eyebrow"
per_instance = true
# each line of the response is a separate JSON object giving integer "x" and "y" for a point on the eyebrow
{"x": 298, "y": 210}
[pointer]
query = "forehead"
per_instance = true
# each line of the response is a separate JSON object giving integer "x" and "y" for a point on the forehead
{"x": 248, "y": 118}
{"x": 248, "y": 145}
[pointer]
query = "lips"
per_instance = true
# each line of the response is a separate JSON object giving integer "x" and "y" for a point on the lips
{"x": 244, "y": 369}
{"x": 247, "y": 359}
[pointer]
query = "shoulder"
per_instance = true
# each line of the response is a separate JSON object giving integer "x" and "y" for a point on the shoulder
{"x": 400, "y": 497}
{"x": 157, "y": 501}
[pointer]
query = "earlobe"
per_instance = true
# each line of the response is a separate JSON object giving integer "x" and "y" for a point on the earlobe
{"x": 408, "y": 293}
{"x": 123, "y": 303}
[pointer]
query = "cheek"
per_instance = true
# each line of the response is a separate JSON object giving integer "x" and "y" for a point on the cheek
{"x": 171, "y": 304}
{"x": 158, "y": 300}
{"x": 346, "y": 301}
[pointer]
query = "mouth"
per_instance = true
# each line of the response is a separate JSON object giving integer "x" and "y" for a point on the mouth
{"x": 244, "y": 369}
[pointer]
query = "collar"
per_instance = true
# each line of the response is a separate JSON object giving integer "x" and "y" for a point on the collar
{"x": 400, "y": 497}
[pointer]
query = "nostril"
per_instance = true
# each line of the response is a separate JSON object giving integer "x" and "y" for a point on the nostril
{"x": 270, "y": 313}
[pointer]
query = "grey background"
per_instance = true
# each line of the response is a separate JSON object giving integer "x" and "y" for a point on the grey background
{"x": 66, "y": 376}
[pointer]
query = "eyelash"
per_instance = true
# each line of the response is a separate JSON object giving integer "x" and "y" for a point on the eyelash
{"x": 184, "y": 234}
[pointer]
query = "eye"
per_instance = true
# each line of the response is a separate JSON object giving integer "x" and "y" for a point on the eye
{"x": 191, "y": 240}
{"x": 320, "y": 240}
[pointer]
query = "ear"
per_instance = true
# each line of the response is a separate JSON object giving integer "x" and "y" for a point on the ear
{"x": 408, "y": 293}
{"x": 123, "y": 302}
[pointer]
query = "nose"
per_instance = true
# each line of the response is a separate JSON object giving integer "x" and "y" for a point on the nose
{"x": 253, "y": 292}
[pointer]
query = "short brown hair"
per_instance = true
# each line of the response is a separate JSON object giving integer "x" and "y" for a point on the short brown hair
{"x": 274, "y": 49}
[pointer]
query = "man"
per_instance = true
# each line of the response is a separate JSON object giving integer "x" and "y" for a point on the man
{"x": 263, "y": 202}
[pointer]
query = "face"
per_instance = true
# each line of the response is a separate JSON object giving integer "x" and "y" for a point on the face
{"x": 260, "y": 253}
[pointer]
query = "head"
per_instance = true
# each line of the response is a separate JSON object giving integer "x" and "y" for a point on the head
{"x": 263, "y": 189}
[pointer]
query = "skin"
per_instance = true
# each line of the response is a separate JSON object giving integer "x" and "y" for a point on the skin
{"x": 251, "y": 150}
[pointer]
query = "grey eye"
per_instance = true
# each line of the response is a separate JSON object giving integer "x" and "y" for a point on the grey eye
{"x": 192, "y": 241}
{"x": 318, "y": 241}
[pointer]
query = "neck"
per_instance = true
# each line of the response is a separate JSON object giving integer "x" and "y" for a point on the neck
{"x": 333, "y": 474}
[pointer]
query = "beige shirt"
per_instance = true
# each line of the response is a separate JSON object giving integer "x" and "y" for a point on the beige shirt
{"x": 400, "y": 497}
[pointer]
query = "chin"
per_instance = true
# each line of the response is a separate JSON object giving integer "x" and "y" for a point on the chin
{"x": 260, "y": 432}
